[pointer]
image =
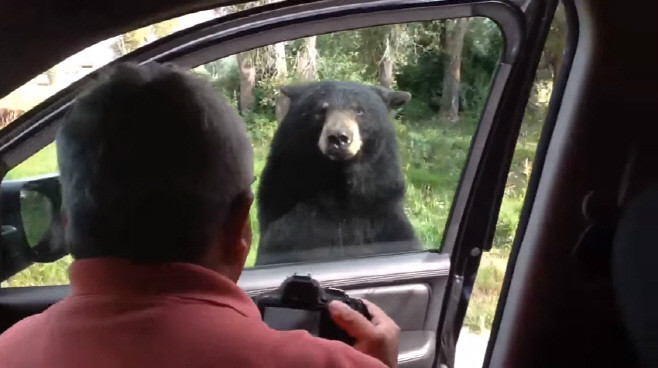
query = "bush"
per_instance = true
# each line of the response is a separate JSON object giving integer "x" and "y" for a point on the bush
{"x": 416, "y": 110}
{"x": 223, "y": 75}
{"x": 508, "y": 220}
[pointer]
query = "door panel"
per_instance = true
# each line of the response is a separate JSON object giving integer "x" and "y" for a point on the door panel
{"x": 407, "y": 303}
{"x": 417, "y": 349}
{"x": 409, "y": 288}
{"x": 352, "y": 273}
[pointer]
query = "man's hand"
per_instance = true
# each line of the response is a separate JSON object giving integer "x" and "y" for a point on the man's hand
{"x": 378, "y": 338}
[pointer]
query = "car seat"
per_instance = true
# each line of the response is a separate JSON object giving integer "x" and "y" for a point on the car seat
{"x": 635, "y": 273}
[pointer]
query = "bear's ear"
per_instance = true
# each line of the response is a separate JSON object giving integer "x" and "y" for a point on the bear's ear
{"x": 292, "y": 92}
{"x": 392, "y": 99}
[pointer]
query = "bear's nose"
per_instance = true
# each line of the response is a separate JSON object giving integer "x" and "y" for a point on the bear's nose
{"x": 339, "y": 139}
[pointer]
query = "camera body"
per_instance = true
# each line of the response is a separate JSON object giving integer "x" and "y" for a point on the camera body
{"x": 301, "y": 303}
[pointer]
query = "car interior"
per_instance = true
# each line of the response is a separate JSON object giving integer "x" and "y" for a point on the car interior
{"x": 578, "y": 288}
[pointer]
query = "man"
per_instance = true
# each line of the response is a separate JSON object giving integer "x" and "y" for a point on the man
{"x": 156, "y": 172}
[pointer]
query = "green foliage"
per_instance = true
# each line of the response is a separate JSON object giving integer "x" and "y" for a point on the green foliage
{"x": 423, "y": 78}
{"x": 40, "y": 274}
{"x": 432, "y": 156}
{"x": 482, "y": 307}
{"x": 341, "y": 58}
{"x": 355, "y": 56}
{"x": 36, "y": 214}
{"x": 260, "y": 128}
{"x": 416, "y": 110}
{"x": 423, "y": 69}
{"x": 223, "y": 75}
{"x": 42, "y": 162}
{"x": 264, "y": 95}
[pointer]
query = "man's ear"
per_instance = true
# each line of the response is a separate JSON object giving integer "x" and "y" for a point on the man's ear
{"x": 238, "y": 218}
{"x": 392, "y": 99}
{"x": 230, "y": 254}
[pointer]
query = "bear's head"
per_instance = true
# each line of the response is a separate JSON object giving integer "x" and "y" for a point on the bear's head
{"x": 345, "y": 118}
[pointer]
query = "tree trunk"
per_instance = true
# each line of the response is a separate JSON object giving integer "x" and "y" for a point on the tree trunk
{"x": 452, "y": 75}
{"x": 247, "y": 82}
{"x": 386, "y": 62}
{"x": 280, "y": 61}
{"x": 281, "y": 102}
{"x": 307, "y": 61}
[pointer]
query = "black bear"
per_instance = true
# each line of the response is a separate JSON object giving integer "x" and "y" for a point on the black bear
{"x": 332, "y": 186}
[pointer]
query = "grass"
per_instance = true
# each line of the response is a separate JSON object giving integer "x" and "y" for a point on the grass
{"x": 432, "y": 157}
{"x": 42, "y": 162}
{"x": 36, "y": 210}
{"x": 484, "y": 299}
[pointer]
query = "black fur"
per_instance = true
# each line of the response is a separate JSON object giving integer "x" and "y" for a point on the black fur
{"x": 313, "y": 208}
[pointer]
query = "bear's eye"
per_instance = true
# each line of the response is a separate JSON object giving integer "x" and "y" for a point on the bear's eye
{"x": 359, "y": 110}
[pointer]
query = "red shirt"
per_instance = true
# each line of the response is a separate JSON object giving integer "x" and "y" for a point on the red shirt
{"x": 174, "y": 315}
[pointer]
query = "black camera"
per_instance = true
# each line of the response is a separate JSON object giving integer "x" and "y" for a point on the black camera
{"x": 301, "y": 304}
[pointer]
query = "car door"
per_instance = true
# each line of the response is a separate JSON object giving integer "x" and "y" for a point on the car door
{"x": 426, "y": 292}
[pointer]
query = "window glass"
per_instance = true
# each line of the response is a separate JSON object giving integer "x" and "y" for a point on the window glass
{"x": 403, "y": 199}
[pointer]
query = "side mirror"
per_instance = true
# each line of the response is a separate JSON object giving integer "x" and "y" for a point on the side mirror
{"x": 31, "y": 223}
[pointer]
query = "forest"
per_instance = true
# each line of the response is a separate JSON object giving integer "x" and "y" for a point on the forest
{"x": 447, "y": 66}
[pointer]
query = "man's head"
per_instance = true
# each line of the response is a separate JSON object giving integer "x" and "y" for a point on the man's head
{"x": 155, "y": 167}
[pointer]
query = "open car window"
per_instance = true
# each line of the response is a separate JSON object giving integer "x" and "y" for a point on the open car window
{"x": 442, "y": 70}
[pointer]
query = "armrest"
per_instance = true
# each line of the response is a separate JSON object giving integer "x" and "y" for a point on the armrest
{"x": 417, "y": 349}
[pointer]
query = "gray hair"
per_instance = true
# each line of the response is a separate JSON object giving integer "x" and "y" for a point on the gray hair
{"x": 151, "y": 160}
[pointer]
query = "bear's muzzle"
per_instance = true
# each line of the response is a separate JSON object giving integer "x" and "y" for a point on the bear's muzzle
{"x": 340, "y": 138}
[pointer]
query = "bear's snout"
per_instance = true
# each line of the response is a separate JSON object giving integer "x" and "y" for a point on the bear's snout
{"x": 340, "y": 138}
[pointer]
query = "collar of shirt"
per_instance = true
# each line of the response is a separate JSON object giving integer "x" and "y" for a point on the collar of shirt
{"x": 120, "y": 277}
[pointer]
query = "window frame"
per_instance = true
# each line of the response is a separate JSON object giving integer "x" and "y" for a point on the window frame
{"x": 539, "y": 163}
